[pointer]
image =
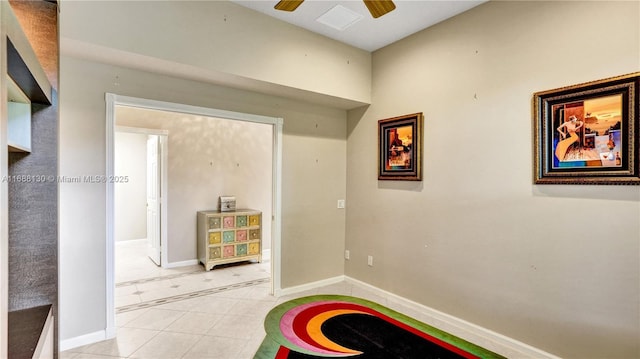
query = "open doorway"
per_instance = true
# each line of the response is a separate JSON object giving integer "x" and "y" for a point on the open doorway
{"x": 200, "y": 162}
{"x": 140, "y": 187}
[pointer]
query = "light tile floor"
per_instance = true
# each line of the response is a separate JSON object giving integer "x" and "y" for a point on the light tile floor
{"x": 192, "y": 314}
{"x": 187, "y": 312}
{"x": 139, "y": 280}
{"x": 183, "y": 312}
{"x": 226, "y": 324}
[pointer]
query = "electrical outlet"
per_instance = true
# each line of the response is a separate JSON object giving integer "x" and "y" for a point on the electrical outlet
{"x": 347, "y": 254}
{"x": 370, "y": 261}
{"x": 341, "y": 203}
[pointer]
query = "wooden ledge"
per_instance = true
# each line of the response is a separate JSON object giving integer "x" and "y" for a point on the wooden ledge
{"x": 25, "y": 329}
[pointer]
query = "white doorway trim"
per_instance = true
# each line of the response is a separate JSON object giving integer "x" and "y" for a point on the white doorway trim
{"x": 111, "y": 101}
{"x": 164, "y": 184}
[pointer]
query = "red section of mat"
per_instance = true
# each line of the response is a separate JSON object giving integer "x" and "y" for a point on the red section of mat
{"x": 302, "y": 319}
{"x": 283, "y": 353}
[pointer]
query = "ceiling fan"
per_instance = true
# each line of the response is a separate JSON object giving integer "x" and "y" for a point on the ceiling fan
{"x": 377, "y": 8}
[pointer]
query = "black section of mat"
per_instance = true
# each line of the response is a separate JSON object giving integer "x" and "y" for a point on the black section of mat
{"x": 378, "y": 339}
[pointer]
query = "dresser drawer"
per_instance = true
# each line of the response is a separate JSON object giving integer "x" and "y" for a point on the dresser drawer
{"x": 254, "y": 248}
{"x": 213, "y": 222}
{"x": 241, "y": 221}
{"x": 214, "y": 237}
{"x": 241, "y": 249}
{"x": 254, "y": 220}
{"x": 228, "y": 236}
{"x": 241, "y": 235}
{"x": 228, "y": 221}
{"x": 228, "y": 251}
{"x": 254, "y": 234}
{"x": 215, "y": 253}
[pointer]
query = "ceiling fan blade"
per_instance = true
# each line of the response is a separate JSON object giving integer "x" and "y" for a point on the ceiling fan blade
{"x": 378, "y": 8}
{"x": 288, "y": 5}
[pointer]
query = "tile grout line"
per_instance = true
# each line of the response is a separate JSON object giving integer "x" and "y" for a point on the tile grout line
{"x": 196, "y": 294}
{"x": 156, "y": 279}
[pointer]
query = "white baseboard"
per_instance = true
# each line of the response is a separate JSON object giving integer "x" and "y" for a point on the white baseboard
{"x": 81, "y": 340}
{"x": 309, "y": 286}
{"x": 266, "y": 254}
{"x": 129, "y": 241}
{"x": 190, "y": 262}
{"x": 486, "y": 338}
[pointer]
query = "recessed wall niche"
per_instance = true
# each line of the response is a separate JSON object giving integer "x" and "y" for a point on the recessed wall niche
{"x": 19, "y": 118}
{"x": 31, "y": 172}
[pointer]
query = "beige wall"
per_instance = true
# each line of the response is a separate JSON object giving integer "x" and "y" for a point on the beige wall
{"x": 130, "y": 197}
{"x": 556, "y": 267}
{"x": 313, "y": 175}
{"x": 220, "y": 40}
{"x": 208, "y": 158}
{"x": 474, "y": 239}
{"x": 223, "y": 43}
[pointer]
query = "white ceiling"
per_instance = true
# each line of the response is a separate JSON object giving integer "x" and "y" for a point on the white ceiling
{"x": 368, "y": 33}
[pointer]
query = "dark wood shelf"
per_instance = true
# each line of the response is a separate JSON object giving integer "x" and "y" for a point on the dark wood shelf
{"x": 25, "y": 329}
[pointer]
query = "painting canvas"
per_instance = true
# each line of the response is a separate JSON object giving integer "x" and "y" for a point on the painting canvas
{"x": 587, "y": 134}
{"x": 400, "y": 148}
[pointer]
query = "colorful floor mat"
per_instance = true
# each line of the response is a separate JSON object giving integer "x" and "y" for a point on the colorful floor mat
{"x": 333, "y": 326}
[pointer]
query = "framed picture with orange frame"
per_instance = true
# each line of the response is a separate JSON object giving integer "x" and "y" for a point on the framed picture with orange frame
{"x": 588, "y": 133}
{"x": 400, "y": 148}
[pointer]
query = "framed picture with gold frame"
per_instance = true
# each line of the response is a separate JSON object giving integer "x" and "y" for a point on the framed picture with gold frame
{"x": 400, "y": 148}
{"x": 588, "y": 133}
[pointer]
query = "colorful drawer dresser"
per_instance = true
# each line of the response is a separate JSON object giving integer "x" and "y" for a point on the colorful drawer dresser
{"x": 227, "y": 237}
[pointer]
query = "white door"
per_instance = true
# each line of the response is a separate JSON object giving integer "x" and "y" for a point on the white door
{"x": 153, "y": 198}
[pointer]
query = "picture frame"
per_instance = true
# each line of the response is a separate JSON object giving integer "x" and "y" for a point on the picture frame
{"x": 400, "y": 148}
{"x": 588, "y": 133}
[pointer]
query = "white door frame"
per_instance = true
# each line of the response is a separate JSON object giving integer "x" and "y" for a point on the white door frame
{"x": 163, "y": 137}
{"x": 111, "y": 101}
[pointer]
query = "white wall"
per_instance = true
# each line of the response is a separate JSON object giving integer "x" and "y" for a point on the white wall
{"x": 130, "y": 197}
{"x": 208, "y": 158}
{"x": 554, "y": 266}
